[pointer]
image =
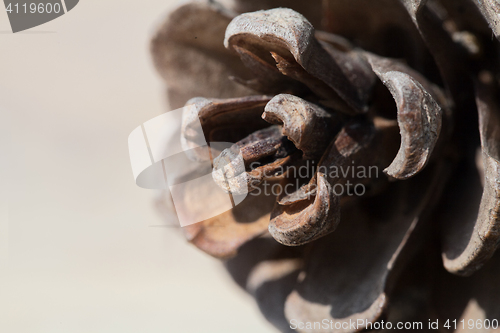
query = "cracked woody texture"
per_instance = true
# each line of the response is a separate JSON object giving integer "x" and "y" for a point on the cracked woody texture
{"x": 409, "y": 86}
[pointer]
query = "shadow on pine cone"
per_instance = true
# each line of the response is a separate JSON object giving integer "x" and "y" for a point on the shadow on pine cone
{"x": 407, "y": 86}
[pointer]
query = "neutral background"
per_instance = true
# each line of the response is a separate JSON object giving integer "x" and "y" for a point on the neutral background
{"x": 80, "y": 246}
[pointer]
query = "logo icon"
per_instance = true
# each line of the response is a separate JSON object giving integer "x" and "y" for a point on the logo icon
{"x": 162, "y": 158}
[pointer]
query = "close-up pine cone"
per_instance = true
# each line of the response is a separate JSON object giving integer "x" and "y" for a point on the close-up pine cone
{"x": 392, "y": 110}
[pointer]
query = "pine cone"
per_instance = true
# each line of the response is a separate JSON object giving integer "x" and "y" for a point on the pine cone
{"x": 343, "y": 89}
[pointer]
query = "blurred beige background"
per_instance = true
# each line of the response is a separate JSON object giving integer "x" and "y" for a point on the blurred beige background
{"x": 78, "y": 252}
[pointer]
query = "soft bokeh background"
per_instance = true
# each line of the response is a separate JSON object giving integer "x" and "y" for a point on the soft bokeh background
{"x": 80, "y": 248}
